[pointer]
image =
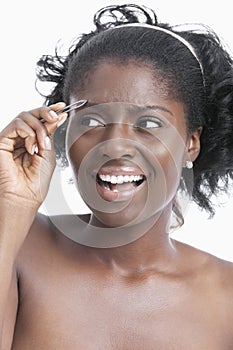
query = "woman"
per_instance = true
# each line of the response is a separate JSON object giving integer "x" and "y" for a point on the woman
{"x": 155, "y": 113}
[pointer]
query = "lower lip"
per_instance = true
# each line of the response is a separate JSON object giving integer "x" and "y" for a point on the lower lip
{"x": 118, "y": 196}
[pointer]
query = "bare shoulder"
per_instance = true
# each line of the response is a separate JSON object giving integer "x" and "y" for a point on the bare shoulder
{"x": 222, "y": 273}
{"x": 45, "y": 242}
{"x": 39, "y": 241}
{"x": 219, "y": 268}
{"x": 40, "y": 232}
{"x": 223, "y": 278}
{"x": 214, "y": 277}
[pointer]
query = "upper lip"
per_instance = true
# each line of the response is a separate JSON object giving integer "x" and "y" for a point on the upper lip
{"x": 120, "y": 168}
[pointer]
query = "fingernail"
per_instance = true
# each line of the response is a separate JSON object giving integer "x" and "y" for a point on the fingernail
{"x": 53, "y": 114}
{"x": 34, "y": 149}
{"x": 47, "y": 142}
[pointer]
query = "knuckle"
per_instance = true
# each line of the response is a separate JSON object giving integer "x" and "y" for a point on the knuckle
{"x": 21, "y": 115}
{"x": 41, "y": 130}
{"x": 31, "y": 134}
{"x": 19, "y": 124}
{"x": 44, "y": 109}
{"x": 18, "y": 121}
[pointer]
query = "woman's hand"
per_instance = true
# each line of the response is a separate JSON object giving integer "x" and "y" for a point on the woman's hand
{"x": 27, "y": 158}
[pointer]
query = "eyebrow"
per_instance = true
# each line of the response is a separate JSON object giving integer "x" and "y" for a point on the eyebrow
{"x": 137, "y": 108}
{"x": 154, "y": 107}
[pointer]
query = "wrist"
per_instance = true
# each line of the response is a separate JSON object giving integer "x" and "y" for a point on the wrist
{"x": 15, "y": 222}
{"x": 11, "y": 203}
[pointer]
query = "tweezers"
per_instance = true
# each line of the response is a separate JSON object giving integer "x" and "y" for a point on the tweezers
{"x": 70, "y": 107}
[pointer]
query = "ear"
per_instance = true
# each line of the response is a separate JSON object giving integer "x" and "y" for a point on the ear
{"x": 193, "y": 145}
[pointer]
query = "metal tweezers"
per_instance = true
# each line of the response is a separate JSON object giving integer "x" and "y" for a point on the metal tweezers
{"x": 72, "y": 106}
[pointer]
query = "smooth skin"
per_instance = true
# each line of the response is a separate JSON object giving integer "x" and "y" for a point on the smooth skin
{"x": 154, "y": 293}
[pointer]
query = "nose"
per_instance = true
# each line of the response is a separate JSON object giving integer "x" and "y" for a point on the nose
{"x": 118, "y": 142}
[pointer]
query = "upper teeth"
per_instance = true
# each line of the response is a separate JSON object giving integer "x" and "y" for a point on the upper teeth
{"x": 120, "y": 179}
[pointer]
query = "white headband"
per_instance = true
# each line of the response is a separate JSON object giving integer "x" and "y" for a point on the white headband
{"x": 169, "y": 32}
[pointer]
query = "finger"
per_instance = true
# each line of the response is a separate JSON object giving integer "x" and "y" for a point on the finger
{"x": 38, "y": 127}
{"x": 44, "y": 113}
{"x": 51, "y": 128}
{"x": 48, "y": 113}
{"x": 11, "y": 137}
{"x": 49, "y": 117}
{"x": 57, "y": 106}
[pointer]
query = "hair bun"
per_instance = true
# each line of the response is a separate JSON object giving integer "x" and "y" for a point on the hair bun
{"x": 113, "y": 15}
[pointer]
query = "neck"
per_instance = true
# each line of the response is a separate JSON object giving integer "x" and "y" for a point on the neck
{"x": 153, "y": 251}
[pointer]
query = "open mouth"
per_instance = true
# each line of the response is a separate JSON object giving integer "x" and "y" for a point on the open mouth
{"x": 119, "y": 183}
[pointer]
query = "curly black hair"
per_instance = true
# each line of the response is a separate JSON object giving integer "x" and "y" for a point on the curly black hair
{"x": 206, "y": 90}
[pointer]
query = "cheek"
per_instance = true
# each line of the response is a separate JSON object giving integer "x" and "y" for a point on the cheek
{"x": 167, "y": 152}
{"x": 170, "y": 170}
{"x": 167, "y": 147}
{"x": 79, "y": 145}
{"x": 76, "y": 154}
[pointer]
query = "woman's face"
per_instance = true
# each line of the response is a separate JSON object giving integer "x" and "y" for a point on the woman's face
{"x": 128, "y": 145}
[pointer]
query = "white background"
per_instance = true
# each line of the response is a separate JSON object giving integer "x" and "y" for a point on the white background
{"x": 29, "y": 29}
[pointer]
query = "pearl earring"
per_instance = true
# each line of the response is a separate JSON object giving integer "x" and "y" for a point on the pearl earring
{"x": 188, "y": 164}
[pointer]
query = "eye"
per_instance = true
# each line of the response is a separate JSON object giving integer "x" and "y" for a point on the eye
{"x": 90, "y": 121}
{"x": 149, "y": 123}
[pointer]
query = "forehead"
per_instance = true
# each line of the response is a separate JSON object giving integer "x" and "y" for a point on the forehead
{"x": 131, "y": 82}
